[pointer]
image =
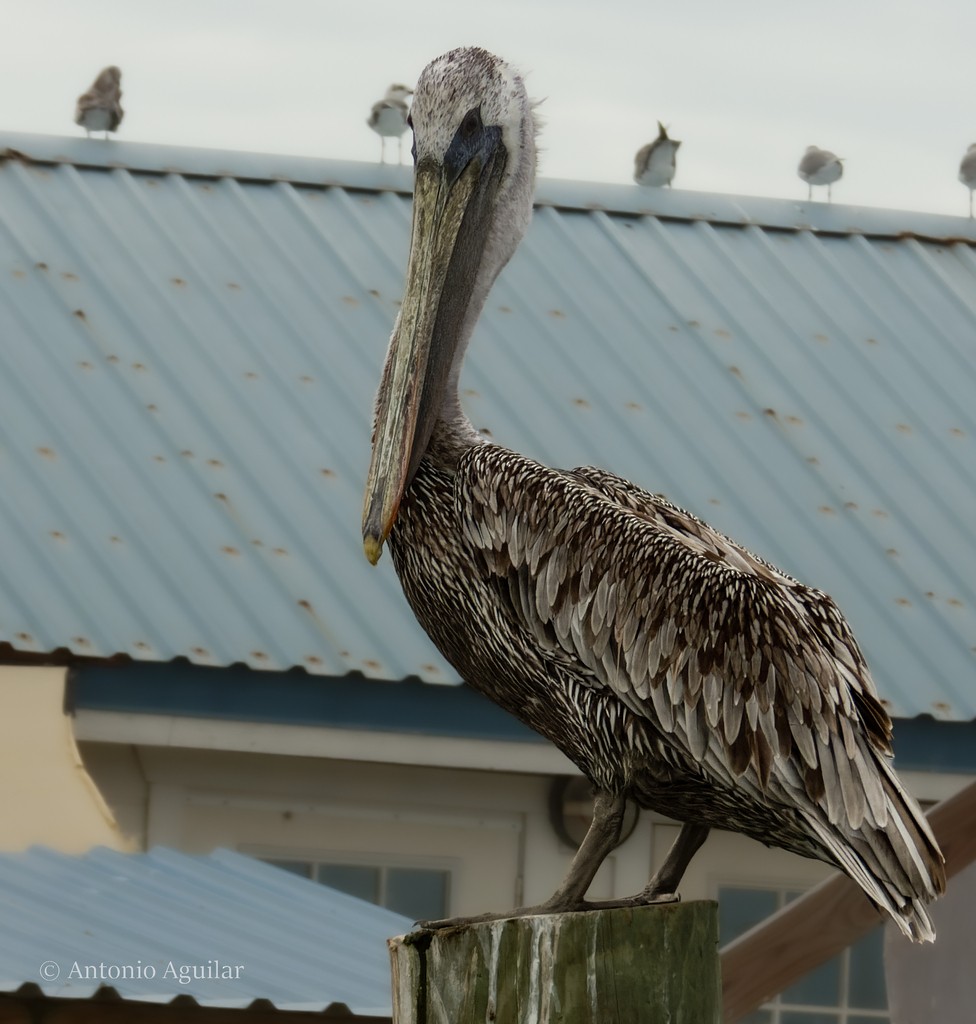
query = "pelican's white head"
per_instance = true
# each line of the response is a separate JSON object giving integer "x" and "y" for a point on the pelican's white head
{"x": 474, "y": 157}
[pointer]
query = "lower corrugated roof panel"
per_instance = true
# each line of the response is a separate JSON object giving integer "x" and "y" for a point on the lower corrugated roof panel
{"x": 188, "y": 360}
{"x": 223, "y": 929}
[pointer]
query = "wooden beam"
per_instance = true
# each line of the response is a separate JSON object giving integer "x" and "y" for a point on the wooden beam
{"x": 642, "y": 965}
{"x": 809, "y": 931}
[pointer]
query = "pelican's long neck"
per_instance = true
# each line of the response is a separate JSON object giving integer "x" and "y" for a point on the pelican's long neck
{"x": 510, "y": 220}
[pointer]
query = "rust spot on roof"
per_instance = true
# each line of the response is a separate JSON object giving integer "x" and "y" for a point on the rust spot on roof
{"x": 879, "y": 512}
{"x": 714, "y": 501}
{"x": 233, "y": 286}
{"x": 40, "y": 266}
{"x": 504, "y": 309}
{"x": 794, "y": 421}
{"x": 159, "y": 458}
{"x": 826, "y": 510}
{"x": 152, "y": 407}
{"x": 344, "y": 654}
{"x": 178, "y": 281}
{"x": 721, "y": 332}
{"x": 57, "y": 534}
{"x": 81, "y": 641}
{"x": 46, "y": 453}
{"x": 69, "y": 276}
{"x": 941, "y": 706}
{"x": 307, "y": 605}
{"x": 230, "y": 550}
{"x": 111, "y": 359}
{"x": 471, "y": 393}
{"x": 813, "y": 460}
{"x": 903, "y": 428}
{"x": 257, "y": 543}
{"x": 141, "y": 645}
{"x": 872, "y": 341}
{"x": 220, "y": 496}
{"x": 891, "y": 552}
{"x": 433, "y": 669}
{"x": 372, "y": 663}
{"x": 903, "y": 601}
{"x": 215, "y": 463}
{"x": 250, "y": 375}
{"x": 25, "y": 637}
{"x": 350, "y": 300}
{"x": 80, "y": 314}
{"x": 557, "y": 314}
{"x": 743, "y": 415}
{"x": 83, "y": 364}
{"x": 374, "y": 292}
{"x": 307, "y": 379}
{"x": 955, "y": 602}
{"x": 281, "y": 551}
{"x": 200, "y": 652}
{"x": 329, "y": 473}
{"x": 693, "y": 323}
{"x": 115, "y": 539}
{"x": 636, "y": 406}
{"x": 582, "y": 403}
{"x": 140, "y": 367}
{"x": 930, "y": 594}
{"x": 735, "y": 371}
{"x": 151, "y": 182}
{"x": 313, "y": 659}
{"x": 769, "y": 412}
{"x": 852, "y": 505}
{"x": 957, "y": 432}
{"x": 822, "y": 338}
{"x": 674, "y": 327}
{"x": 259, "y": 655}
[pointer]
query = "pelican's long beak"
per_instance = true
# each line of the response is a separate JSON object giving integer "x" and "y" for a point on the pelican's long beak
{"x": 452, "y": 208}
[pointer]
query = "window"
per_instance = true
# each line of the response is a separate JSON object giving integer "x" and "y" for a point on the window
{"x": 850, "y": 989}
{"x": 417, "y": 893}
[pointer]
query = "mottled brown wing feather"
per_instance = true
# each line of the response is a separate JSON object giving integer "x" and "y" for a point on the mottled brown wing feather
{"x": 754, "y": 675}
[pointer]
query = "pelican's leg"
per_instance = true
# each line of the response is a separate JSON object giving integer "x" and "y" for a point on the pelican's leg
{"x": 602, "y": 836}
{"x": 668, "y": 877}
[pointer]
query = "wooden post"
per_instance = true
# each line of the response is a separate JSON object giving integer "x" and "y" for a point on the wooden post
{"x": 647, "y": 965}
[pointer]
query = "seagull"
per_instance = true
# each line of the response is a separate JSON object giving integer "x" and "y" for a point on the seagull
{"x": 967, "y": 173}
{"x": 100, "y": 109}
{"x": 654, "y": 163}
{"x": 388, "y": 118}
{"x": 820, "y": 167}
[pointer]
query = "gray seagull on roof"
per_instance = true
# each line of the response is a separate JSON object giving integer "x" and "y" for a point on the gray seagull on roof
{"x": 388, "y": 118}
{"x": 967, "y": 173}
{"x": 654, "y": 164}
{"x": 671, "y": 665}
{"x": 820, "y": 167}
{"x": 100, "y": 109}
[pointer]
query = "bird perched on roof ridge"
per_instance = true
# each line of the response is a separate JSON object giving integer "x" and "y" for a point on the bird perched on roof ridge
{"x": 967, "y": 173}
{"x": 670, "y": 664}
{"x": 100, "y": 108}
{"x": 820, "y": 167}
{"x": 388, "y": 118}
{"x": 654, "y": 164}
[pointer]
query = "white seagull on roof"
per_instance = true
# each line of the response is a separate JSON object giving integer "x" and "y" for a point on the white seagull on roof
{"x": 820, "y": 167}
{"x": 967, "y": 173}
{"x": 654, "y": 163}
{"x": 388, "y": 118}
{"x": 100, "y": 109}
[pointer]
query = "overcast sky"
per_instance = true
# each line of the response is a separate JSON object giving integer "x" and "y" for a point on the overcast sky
{"x": 746, "y": 85}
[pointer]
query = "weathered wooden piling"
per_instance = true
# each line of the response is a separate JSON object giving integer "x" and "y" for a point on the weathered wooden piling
{"x": 646, "y": 965}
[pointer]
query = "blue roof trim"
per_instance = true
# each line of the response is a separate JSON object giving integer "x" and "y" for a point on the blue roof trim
{"x": 294, "y": 698}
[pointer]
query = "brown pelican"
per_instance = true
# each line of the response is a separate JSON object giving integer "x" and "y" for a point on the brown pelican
{"x": 100, "y": 109}
{"x": 654, "y": 163}
{"x": 820, "y": 167}
{"x": 967, "y": 173}
{"x": 388, "y": 118}
{"x": 668, "y": 663}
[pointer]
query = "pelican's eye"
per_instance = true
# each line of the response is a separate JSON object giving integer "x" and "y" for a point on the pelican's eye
{"x": 471, "y": 123}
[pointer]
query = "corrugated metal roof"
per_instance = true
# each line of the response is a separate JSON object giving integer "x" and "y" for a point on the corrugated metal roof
{"x": 190, "y": 341}
{"x": 144, "y": 917}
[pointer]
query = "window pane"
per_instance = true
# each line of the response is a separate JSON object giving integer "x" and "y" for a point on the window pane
{"x": 740, "y": 909}
{"x": 867, "y": 984}
{"x": 418, "y": 893}
{"x": 296, "y": 867}
{"x": 354, "y": 879}
{"x": 814, "y": 1017}
{"x": 818, "y": 988}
